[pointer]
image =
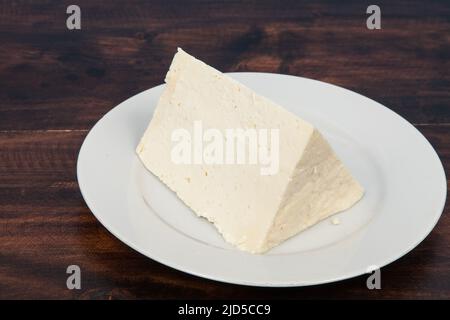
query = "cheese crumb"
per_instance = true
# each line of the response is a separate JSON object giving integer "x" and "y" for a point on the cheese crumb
{"x": 335, "y": 221}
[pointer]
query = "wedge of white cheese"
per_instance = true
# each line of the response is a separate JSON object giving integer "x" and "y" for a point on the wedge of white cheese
{"x": 252, "y": 211}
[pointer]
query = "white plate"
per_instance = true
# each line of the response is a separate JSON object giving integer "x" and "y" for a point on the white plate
{"x": 404, "y": 180}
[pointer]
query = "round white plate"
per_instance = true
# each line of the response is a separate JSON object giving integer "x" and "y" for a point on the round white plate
{"x": 403, "y": 177}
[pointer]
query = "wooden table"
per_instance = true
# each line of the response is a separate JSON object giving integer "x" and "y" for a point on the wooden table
{"x": 55, "y": 84}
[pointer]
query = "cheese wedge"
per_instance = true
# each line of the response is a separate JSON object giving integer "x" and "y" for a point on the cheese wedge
{"x": 252, "y": 211}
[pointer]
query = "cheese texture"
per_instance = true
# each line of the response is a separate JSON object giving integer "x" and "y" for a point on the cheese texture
{"x": 252, "y": 211}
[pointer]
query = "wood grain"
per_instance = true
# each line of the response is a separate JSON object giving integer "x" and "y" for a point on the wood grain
{"x": 55, "y": 84}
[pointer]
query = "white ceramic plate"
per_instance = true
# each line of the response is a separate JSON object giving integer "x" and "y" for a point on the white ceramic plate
{"x": 403, "y": 177}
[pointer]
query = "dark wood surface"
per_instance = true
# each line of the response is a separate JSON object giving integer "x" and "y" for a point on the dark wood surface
{"x": 55, "y": 84}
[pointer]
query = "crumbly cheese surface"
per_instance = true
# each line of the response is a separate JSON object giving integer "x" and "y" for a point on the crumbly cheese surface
{"x": 254, "y": 212}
